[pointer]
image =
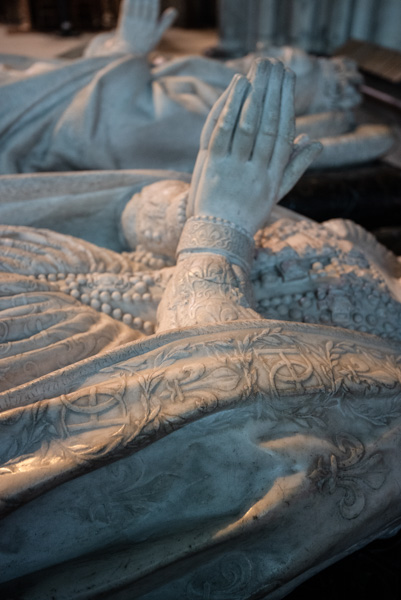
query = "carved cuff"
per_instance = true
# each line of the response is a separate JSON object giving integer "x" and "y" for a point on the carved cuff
{"x": 219, "y": 236}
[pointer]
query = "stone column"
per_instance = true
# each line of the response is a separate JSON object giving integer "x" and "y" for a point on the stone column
{"x": 388, "y": 31}
{"x": 267, "y": 26}
{"x": 362, "y": 21}
{"x": 233, "y": 26}
{"x": 339, "y": 24}
{"x": 303, "y": 23}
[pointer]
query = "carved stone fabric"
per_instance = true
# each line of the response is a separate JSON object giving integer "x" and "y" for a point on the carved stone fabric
{"x": 201, "y": 458}
{"x": 116, "y": 112}
{"x": 309, "y": 417}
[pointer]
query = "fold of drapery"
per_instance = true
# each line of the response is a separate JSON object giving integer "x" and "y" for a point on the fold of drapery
{"x": 315, "y": 410}
{"x": 108, "y": 112}
{"x": 87, "y": 205}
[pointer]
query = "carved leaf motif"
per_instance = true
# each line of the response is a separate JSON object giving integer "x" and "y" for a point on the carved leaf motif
{"x": 225, "y": 377}
{"x": 228, "y": 578}
{"x": 133, "y": 501}
{"x": 34, "y": 428}
{"x": 169, "y": 357}
{"x": 352, "y": 472}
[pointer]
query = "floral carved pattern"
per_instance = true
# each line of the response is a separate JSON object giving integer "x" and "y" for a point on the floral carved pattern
{"x": 285, "y": 376}
{"x": 352, "y": 472}
{"x": 228, "y": 579}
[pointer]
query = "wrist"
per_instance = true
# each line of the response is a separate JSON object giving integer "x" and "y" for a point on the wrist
{"x": 216, "y": 235}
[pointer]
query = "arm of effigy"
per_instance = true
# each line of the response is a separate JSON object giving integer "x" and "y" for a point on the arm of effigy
{"x": 246, "y": 152}
{"x": 211, "y": 282}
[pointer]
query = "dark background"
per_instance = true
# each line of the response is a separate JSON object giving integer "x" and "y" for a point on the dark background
{"x": 90, "y": 15}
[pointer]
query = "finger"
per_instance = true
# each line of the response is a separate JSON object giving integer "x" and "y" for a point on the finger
{"x": 220, "y": 142}
{"x": 152, "y": 8}
{"x": 127, "y": 11}
{"x": 297, "y": 166}
{"x": 128, "y": 8}
{"x": 267, "y": 134}
{"x": 214, "y": 115}
{"x": 246, "y": 132}
{"x": 300, "y": 141}
{"x": 286, "y": 127}
{"x": 206, "y": 134}
{"x": 141, "y": 10}
{"x": 134, "y": 9}
{"x": 166, "y": 21}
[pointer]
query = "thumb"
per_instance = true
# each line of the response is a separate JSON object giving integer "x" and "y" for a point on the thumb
{"x": 166, "y": 21}
{"x": 300, "y": 161}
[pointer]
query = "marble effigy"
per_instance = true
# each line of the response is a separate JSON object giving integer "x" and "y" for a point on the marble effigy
{"x": 229, "y": 455}
{"x": 112, "y": 110}
{"x": 302, "y": 271}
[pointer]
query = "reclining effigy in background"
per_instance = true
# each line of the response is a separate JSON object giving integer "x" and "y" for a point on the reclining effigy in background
{"x": 229, "y": 455}
{"x": 112, "y": 110}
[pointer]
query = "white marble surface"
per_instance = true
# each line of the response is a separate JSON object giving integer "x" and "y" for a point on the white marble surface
{"x": 113, "y": 110}
{"x": 228, "y": 455}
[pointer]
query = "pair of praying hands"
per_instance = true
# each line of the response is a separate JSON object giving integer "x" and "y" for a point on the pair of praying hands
{"x": 248, "y": 158}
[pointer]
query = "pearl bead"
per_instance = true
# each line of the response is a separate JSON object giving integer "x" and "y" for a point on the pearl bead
{"x": 75, "y": 293}
{"x": 146, "y": 297}
{"x": 148, "y": 327}
{"x": 116, "y": 296}
{"x": 136, "y": 297}
{"x": 117, "y": 313}
{"x": 106, "y": 308}
{"x": 95, "y": 303}
{"x": 137, "y": 322}
{"x": 85, "y": 298}
{"x": 51, "y": 277}
{"x": 296, "y": 314}
{"x": 104, "y": 296}
{"x": 127, "y": 319}
{"x": 126, "y": 297}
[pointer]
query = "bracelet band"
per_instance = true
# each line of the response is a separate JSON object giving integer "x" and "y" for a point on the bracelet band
{"x": 216, "y": 235}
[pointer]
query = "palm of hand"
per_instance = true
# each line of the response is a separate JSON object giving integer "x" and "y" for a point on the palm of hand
{"x": 227, "y": 179}
{"x": 140, "y": 29}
